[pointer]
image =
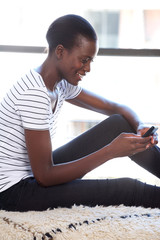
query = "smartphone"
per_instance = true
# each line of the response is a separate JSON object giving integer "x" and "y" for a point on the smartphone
{"x": 150, "y": 131}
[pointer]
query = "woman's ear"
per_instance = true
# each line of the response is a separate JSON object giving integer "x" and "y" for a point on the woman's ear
{"x": 59, "y": 51}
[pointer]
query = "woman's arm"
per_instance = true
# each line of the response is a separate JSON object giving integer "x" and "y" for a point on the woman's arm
{"x": 47, "y": 174}
{"x": 89, "y": 100}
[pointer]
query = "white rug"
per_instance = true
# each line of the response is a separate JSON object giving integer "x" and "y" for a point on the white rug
{"x": 82, "y": 223}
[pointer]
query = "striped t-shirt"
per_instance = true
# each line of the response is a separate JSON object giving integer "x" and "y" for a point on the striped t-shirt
{"x": 27, "y": 105}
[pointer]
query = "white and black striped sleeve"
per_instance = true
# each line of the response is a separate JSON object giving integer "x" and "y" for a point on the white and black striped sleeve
{"x": 71, "y": 91}
{"x": 33, "y": 107}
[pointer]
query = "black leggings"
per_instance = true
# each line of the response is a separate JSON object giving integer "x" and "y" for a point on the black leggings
{"x": 29, "y": 195}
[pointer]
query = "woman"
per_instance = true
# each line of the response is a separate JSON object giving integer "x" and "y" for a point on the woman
{"x": 33, "y": 177}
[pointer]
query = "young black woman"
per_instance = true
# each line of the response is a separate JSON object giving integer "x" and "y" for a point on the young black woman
{"x": 33, "y": 177}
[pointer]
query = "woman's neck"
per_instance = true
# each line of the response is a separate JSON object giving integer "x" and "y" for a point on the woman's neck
{"x": 49, "y": 74}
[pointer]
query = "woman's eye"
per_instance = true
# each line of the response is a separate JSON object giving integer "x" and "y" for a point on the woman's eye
{"x": 84, "y": 60}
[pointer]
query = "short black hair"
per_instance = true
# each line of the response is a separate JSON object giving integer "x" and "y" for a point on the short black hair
{"x": 64, "y": 30}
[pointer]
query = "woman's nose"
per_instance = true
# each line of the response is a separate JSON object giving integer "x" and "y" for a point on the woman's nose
{"x": 87, "y": 67}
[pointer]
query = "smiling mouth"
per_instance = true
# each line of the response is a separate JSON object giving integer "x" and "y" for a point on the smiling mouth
{"x": 80, "y": 75}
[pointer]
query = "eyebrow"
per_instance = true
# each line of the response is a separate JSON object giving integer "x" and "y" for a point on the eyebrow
{"x": 89, "y": 58}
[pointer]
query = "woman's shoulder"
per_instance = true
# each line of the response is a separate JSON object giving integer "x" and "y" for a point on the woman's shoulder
{"x": 32, "y": 79}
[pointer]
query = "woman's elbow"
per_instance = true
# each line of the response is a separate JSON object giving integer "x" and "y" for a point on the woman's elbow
{"x": 43, "y": 180}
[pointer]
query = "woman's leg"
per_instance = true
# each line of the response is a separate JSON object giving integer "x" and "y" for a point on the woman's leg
{"x": 29, "y": 195}
{"x": 99, "y": 136}
{"x": 92, "y": 140}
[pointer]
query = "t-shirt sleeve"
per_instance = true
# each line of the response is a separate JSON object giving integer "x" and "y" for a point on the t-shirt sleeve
{"x": 33, "y": 108}
{"x": 71, "y": 91}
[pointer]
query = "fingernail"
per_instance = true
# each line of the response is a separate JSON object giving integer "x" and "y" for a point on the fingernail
{"x": 147, "y": 146}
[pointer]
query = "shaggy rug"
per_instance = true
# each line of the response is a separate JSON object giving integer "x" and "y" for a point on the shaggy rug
{"x": 82, "y": 223}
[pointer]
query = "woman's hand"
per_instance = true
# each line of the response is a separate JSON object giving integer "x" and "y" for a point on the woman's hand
{"x": 154, "y": 138}
{"x": 128, "y": 144}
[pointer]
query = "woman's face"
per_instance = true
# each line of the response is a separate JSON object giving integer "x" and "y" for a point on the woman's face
{"x": 75, "y": 63}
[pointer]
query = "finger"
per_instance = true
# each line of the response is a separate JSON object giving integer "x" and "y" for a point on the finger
{"x": 141, "y": 146}
{"x": 154, "y": 139}
{"x": 138, "y": 150}
{"x": 141, "y": 140}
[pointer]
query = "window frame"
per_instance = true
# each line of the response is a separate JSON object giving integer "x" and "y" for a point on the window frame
{"x": 102, "y": 51}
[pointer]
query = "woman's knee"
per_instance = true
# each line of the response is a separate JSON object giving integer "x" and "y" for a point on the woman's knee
{"x": 117, "y": 124}
{"x": 119, "y": 121}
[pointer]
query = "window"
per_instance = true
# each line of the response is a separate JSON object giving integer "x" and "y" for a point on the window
{"x": 106, "y": 24}
{"x": 136, "y": 28}
{"x": 119, "y": 23}
{"x": 126, "y": 70}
